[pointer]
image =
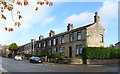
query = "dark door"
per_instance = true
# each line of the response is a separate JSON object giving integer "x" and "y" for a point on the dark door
{"x": 70, "y": 52}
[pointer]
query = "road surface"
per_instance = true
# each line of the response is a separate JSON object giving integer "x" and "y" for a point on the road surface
{"x": 24, "y": 66}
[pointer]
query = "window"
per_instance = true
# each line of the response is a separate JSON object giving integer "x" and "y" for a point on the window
{"x": 79, "y": 49}
{"x": 101, "y": 38}
{"x": 62, "y": 39}
{"x": 44, "y": 44}
{"x": 54, "y": 41}
{"x": 39, "y": 45}
{"x": 49, "y": 43}
{"x": 54, "y": 50}
{"x": 71, "y": 37}
{"x": 79, "y": 36}
{"x": 62, "y": 50}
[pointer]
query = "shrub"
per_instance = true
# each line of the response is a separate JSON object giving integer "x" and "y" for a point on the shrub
{"x": 61, "y": 58}
{"x": 100, "y": 53}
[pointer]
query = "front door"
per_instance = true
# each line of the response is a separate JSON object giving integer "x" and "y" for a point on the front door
{"x": 70, "y": 52}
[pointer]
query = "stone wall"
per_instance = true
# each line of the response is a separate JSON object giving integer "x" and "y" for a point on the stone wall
{"x": 66, "y": 61}
{"x": 103, "y": 61}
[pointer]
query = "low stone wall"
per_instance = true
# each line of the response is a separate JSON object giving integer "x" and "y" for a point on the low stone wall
{"x": 102, "y": 61}
{"x": 66, "y": 61}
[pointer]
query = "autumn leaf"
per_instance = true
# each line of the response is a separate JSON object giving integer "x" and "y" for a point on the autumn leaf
{"x": 19, "y": 3}
{"x": 18, "y": 12}
{"x": 36, "y": 8}
{"x": 15, "y": 24}
{"x": 11, "y": 29}
{"x": 47, "y": 2}
{"x": 6, "y": 28}
{"x": 50, "y": 3}
{"x": 3, "y": 17}
{"x": 9, "y": 8}
{"x": 26, "y": 2}
{"x": 19, "y": 17}
{"x": 19, "y": 24}
{"x": 1, "y": 9}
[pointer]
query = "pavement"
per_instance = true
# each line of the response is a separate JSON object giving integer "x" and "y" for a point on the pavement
{"x": 24, "y": 66}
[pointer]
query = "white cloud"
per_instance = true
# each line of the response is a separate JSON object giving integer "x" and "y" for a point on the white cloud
{"x": 107, "y": 12}
{"x": 79, "y": 19}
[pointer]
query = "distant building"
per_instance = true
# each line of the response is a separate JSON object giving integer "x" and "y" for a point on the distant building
{"x": 69, "y": 43}
{"x": 117, "y": 45}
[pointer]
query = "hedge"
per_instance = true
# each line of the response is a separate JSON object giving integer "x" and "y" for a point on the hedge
{"x": 100, "y": 53}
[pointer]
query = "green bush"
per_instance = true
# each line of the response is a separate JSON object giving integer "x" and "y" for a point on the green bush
{"x": 100, "y": 53}
{"x": 61, "y": 57}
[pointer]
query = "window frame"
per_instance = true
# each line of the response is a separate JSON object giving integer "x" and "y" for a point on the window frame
{"x": 70, "y": 36}
{"x": 101, "y": 38}
{"x": 79, "y": 49}
{"x": 79, "y": 35}
{"x": 62, "y": 40}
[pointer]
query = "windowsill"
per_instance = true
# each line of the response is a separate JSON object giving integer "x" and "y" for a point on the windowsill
{"x": 79, "y": 40}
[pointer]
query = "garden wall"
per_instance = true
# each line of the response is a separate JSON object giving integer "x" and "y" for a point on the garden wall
{"x": 103, "y": 61}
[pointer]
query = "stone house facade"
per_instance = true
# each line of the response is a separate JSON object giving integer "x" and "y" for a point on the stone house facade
{"x": 117, "y": 45}
{"x": 71, "y": 42}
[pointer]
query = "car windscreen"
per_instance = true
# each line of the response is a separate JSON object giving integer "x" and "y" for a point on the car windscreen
{"x": 36, "y": 58}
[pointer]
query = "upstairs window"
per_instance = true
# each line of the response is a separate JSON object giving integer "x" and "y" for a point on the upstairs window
{"x": 71, "y": 37}
{"x": 79, "y": 36}
{"x": 101, "y": 38}
{"x": 62, "y": 39}
{"x": 39, "y": 45}
{"x": 54, "y": 41}
{"x": 44, "y": 44}
{"x": 49, "y": 43}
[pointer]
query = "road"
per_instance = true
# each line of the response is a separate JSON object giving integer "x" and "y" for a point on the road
{"x": 24, "y": 66}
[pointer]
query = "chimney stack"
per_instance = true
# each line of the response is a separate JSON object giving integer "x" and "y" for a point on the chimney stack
{"x": 96, "y": 18}
{"x": 70, "y": 27}
{"x": 41, "y": 37}
{"x": 33, "y": 40}
{"x": 52, "y": 33}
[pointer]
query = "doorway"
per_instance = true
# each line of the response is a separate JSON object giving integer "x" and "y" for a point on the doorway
{"x": 70, "y": 52}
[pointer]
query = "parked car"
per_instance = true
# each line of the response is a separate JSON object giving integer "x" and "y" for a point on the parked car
{"x": 18, "y": 57}
{"x": 35, "y": 60}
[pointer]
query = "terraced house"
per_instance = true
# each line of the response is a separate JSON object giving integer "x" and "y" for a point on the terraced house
{"x": 69, "y": 43}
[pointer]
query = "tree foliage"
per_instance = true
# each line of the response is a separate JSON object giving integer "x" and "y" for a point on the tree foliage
{"x": 13, "y": 47}
{"x": 9, "y": 5}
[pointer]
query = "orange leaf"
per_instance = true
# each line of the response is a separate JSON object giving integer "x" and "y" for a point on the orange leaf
{"x": 26, "y": 2}
{"x": 36, "y": 8}
{"x": 38, "y": 2}
{"x": 47, "y": 2}
{"x": 9, "y": 8}
{"x": 19, "y": 24}
{"x": 15, "y": 24}
{"x": 3, "y": 17}
{"x": 6, "y": 28}
{"x": 18, "y": 12}
{"x": 50, "y": 3}
{"x": 19, "y": 17}
{"x": 19, "y": 3}
{"x": 11, "y": 29}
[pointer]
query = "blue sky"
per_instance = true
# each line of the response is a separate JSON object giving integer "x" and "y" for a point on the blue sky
{"x": 56, "y": 18}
